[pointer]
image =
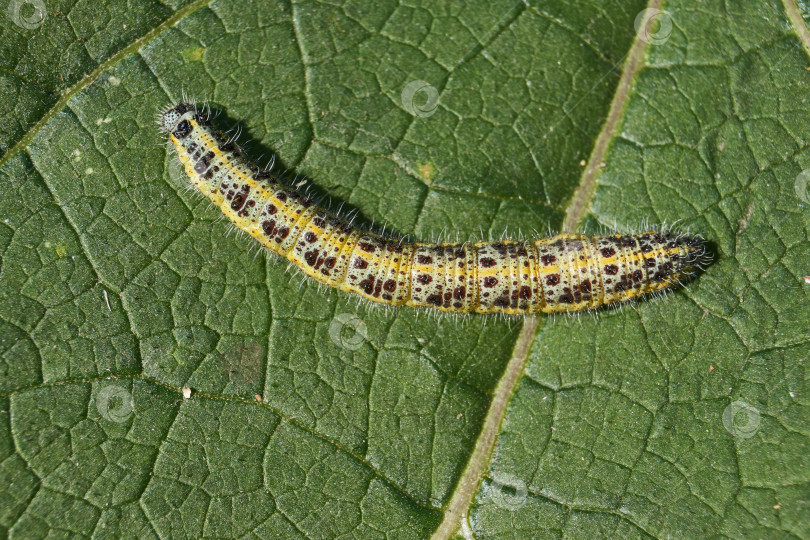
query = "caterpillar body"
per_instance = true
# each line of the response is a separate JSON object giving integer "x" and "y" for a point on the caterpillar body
{"x": 568, "y": 272}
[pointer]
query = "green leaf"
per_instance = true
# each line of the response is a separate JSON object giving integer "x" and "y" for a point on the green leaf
{"x": 160, "y": 378}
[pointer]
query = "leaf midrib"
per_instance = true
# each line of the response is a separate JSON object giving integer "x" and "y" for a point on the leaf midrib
{"x": 459, "y": 505}
{"x": 458, "y": 508}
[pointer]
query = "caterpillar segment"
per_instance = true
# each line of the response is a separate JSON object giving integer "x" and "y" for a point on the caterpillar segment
{"x": 568, "y": 272}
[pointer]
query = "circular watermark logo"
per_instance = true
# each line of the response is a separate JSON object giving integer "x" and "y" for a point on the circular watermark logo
{"x": 508, "y": 491}
{"x": 178, "y": 177}
{"x": 800, "y": 185}
{"x": 653, "y": 26}
{"x": 28, "y": 14}
{"x": 348, "y": 331}
{"x": 741, "y": 419}
{"x": 115, "y": 403}
{"x": 243, "y": 364}
{"x": 420, "y": 98}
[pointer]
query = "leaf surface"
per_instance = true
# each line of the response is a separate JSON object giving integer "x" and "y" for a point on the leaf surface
{"x": 310, "y": 416}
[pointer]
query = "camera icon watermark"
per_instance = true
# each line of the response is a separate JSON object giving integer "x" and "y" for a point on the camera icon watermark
{"x": 348, "y": 331}
{"x": 800, "y": 186}
{"x": 420, "y": 98}
{"x": 28, "y": 14}
{"x": 741, "y": 419}
{"x": 243, "y": 364}
{"x": 653, "y": 26}
{"x": 508, "y": 491}
{"x": 115, "y": 403}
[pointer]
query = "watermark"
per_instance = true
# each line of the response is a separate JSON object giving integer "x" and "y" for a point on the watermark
{"x": 115, "y": 403}
{"x": 244, "y": 364}
{"x": 741, "y": 419}
{"x": 28, "y": 14}
{"x": 508, "y": 491}
{"x": 800, "y": 185}
{"x": 177, "y": 174}
{"x": 420, "y": 98}
{"x": 348, "y": 331}
{"x": 653, "y": 26}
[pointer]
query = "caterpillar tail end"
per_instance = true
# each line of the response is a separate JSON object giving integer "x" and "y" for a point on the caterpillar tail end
{"x": 686, "y": 257}
{"x": 697, "y": 255}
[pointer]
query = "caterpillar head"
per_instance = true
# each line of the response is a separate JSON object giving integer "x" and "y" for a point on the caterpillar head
{"x": 175, "y": 120}
{"x": 170, "y": 118}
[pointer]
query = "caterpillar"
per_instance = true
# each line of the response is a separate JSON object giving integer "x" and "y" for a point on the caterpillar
{"x": 569, "y": 272}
